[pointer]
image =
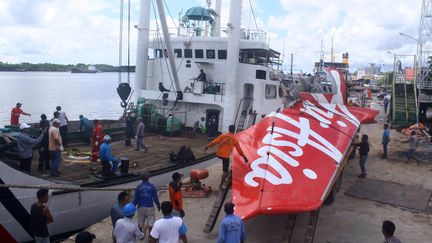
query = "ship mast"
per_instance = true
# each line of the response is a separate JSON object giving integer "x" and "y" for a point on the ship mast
{"x": 142, "y": 47}
{"x": 170, "y": 51}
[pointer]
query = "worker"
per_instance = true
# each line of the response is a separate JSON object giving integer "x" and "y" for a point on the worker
{"x": 175, "y": 194}
{"x": 227, "y": 142}
{"x": 106, "y": 158}
{"x": 97, "y": 138}
{"x": 24, "y": 144}
{"x": 130, "y": 120}
{"x": 202, "y": 76}
{"x": 15, "y": 114}
{"x": 231, "y": 227}
{"x": 63, "y": 125}
{"x": 85, "y": 123}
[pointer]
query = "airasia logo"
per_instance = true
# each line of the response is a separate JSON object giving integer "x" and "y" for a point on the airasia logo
{"x": 271, "y": 153}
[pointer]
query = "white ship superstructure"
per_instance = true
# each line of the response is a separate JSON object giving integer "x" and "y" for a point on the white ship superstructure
{"x": 242, "y": 72}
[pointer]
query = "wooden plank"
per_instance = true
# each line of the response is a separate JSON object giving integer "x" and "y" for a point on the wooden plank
{"x": 211, "y": 221}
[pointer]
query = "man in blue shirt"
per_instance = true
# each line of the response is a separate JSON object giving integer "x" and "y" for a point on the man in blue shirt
{"x": 145, "y": 195}
{"x": 117, "y": 210}
{"x": 106, "y": 158}
{"x": 231, "y": 228}
{"x": 385, "y": 140}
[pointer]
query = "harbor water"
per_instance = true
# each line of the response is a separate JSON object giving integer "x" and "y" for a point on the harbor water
{"x": 93, "y": 95}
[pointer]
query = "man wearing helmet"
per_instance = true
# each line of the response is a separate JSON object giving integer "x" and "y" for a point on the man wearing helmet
{"x": 125, "y": 229}
{"x": 109, "y": 162}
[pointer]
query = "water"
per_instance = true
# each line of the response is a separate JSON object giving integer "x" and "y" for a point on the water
{"x": 93, "y": 95}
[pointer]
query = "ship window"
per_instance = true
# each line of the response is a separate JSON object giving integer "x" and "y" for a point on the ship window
{"x": 260, "y": 74}
{"x": 222, "y": 54}
{"x": 210, "y": 53}
{"x": 199, "y": 53}
{"x": 270, "y": 91}
{"x": 158, "y": 53}
{"x": 177, "y": 53}
{"x": 188, "y": 53}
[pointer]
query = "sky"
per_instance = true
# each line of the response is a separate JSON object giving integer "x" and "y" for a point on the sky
{"x": 87, "y": 31}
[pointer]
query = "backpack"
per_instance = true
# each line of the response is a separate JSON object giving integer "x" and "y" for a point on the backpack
{"x": 185, "y": 155}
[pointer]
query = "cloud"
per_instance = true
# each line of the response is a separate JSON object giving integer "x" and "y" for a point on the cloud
{"x": 72, "y": 31}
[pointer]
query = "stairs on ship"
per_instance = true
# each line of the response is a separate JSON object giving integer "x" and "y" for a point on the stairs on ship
{"x": 404, "y": 101}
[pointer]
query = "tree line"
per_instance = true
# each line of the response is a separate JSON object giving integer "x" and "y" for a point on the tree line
{"x": 52, "y": 67}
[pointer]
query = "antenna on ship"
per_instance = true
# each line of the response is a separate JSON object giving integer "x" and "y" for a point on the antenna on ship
{"x": 124, "y": 89}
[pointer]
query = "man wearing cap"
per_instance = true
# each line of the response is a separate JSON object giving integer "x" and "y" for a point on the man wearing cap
{"x": 231, "y": 227}
{"x": 145, "y": 195}
{"x": 125, "y": 229}
{"x": 55, "y": 147}
{"x": 15, "y": 114}
{"x": 25, "y": 149}
{"x": 175, "y": 194}
{"x": 108, "y": 161}
{"x": 85, "y": 237}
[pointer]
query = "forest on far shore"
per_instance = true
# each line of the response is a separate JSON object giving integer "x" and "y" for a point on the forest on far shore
{"x": 51, "y": 67}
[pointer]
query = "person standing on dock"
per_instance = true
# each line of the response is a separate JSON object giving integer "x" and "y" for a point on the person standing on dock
{"x": 123, "y": 198}
{"x": 55, "y": 147}
{"x": 385, "y": 140}
{"x": 388, "y": 228}
{"x": 386, "y": 103}
{"x": 63, "y": 125}
{"x": 145, "y": 195}
{"x": 125, "y": 230}
{"x": 227, "y": 142}
{"x": 16, "y": 113}
{"x": 412, "y": 146}
{"x": 97, "y": 138}
{"x": 175, "y": 194}
{"x": 44, "y": 154}
{"x": 130, "y": 120}
{"x": 56, "y": 115}
{"x": 40, "y": 217}
{"x": 231, "y": 227}
{"x": 363, "y": 151}
{"x": 140, "y": 136}
{"x": 85, "y": 123}
{"x": 25, "y": 149}
{"x": 169, "y": 228}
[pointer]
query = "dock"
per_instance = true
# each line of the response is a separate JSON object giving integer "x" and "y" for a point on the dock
{"x": 347, "y": 219}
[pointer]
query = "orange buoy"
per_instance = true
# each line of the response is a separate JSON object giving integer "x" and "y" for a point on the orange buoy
{"x": 199, "y": 174}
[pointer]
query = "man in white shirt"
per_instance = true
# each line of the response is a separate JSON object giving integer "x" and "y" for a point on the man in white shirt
{"x": 168, "y": 229}
{"x": 125, "y": 230}
{"x": 63, "y": 125}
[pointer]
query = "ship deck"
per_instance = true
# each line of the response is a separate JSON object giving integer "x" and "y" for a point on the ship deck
{"x": 156, "y": 158}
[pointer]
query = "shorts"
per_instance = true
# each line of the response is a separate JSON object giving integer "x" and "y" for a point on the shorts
{"x": 146, "y": 215}
{"x": 225, "y": 164}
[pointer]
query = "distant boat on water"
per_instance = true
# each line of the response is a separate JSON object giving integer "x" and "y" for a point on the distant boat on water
{"x": 90, "y": 69}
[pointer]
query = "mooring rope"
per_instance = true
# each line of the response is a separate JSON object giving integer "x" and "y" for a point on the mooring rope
{"x": 75, "y": 188}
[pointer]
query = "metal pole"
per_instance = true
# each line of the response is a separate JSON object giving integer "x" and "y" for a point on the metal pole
{"x": 168, "y": 44}
{"x": 291, "y": 69}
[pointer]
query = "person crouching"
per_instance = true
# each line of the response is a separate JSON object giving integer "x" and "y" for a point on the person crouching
{"x": 109, "y": 162}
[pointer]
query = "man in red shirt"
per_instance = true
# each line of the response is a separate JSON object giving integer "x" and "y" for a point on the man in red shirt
{"x": 15, "y": 114}
{"x": 97, "y": 139}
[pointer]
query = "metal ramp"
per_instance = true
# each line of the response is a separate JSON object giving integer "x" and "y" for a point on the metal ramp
{"x": 404, "y": 98}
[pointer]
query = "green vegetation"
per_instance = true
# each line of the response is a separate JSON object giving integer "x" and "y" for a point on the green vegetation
{"x": 387, "y": 79}
{"x": 51, "y": 67}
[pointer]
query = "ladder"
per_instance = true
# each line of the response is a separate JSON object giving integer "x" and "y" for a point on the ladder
{"x": 211, "y": 221}
{"x": 404, "y": 98}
